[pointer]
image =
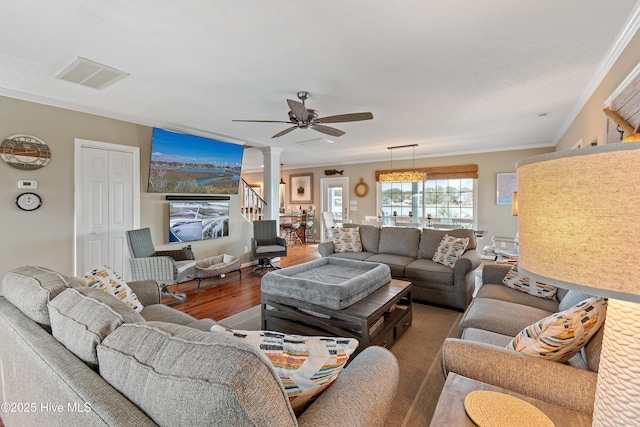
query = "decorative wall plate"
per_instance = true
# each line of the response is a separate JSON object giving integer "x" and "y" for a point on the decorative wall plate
{"x": 25, "y": 152}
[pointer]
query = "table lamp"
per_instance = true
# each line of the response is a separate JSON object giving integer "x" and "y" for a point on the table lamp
{"x": 579, "y": 229}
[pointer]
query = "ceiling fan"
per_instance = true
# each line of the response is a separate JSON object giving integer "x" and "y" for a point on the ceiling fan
{"x": 305, "y": 118}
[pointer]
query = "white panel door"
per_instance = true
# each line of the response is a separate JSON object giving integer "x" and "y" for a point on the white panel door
{"x": 106, "y": 192}
{"x": 94, "y": 191}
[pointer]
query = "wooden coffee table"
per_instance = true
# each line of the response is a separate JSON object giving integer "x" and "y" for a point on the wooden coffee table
{"x": 380, "y": 318}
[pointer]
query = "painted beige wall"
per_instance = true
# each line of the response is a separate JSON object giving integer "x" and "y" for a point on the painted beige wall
{"x": 589, "y": 125}
{"x": 45, "y": 236}
{"x": 495, "y": 219}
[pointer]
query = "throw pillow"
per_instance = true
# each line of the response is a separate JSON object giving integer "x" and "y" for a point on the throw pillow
{"x": 514, "y": 280}
{"x": 107, "y": 280}
{"x": 560, "y": 336}
{"x": 450, "y": 250}
{"x": 306, "y": 365}
{"x": 82, "y": 317}
{"x": 347, "y": 240}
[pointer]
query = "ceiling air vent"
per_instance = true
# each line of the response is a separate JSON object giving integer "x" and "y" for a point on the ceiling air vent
{"x": 91, "y": 74}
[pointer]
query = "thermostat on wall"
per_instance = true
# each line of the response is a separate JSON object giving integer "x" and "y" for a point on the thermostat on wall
{"x": 23, "y": 183}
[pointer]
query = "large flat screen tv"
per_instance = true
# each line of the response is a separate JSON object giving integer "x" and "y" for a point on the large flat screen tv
{"x": 182, "y": 163}
{"x": 189, "y": 221}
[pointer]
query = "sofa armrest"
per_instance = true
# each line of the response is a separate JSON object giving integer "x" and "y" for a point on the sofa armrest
{"x": 474, "y": 258}
{"x": 184, "y": 254}
{"x": 494, "y": 273}
{"x": 159, "y": 268}
{"x": 552, "y": 382}
{"x": 360, "y": 396}
{"x": 325, "y": 248}
{"x": 147, "y": 291}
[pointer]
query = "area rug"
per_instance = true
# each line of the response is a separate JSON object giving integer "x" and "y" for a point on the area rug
{"x": 418, "y": 354}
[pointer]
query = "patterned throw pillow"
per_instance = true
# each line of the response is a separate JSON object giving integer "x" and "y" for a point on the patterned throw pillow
{"x": 450, "y": 250}
{"x": 347, "y": 240}
{"x": 514, "y": 280}
{"x": 560, "y": 336}
{"x": 107, "y": 280}
{"x": 306, "y": 365}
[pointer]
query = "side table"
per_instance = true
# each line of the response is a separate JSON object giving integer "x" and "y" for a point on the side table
{"x": 450, "y": 409}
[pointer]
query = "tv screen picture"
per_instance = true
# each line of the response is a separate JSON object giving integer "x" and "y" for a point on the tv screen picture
{"x": 189, "y": 221}
{"x": 183, "y": 163}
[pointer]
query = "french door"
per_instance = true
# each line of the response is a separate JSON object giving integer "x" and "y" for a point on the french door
{"x": 335, "y": 199}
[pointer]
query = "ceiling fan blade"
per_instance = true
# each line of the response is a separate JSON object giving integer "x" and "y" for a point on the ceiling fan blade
{"x": 340, "y": 118}
{"x": 298, "y": 109}
{"x": 284, "y": 132}
{"x": 261, "y": 121}
{"x": 328, "y": 130}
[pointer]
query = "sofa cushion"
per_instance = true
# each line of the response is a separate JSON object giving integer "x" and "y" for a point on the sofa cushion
{"x": 30, "y": 288}
{"x": 501, "y": 292}
{"x": 487, "y": 337}
{"x": 107, "y": 280}
{"x": 306, "y": 365}
{"x": 181, "y": 376}
{"x": 450, "y": 250}
{"x": 396, "y": 263}
{"x": 560, "y": 336}
{"x": 370, "y": 238}
{"x": 572, "y": 298}
{"x": 428, "y": 271}
{"x": 346, "y": 240}
{"x": 359, "y": 256}
{"x": 502, "y": 317}
{"x": 514, "y": 279}
{"x": 82, "y": 317}
{"x": 399, "y": 241}
{"x": 430, "y": 239}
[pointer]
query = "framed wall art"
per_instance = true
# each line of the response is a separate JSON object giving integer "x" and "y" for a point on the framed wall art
{"x": 301, "y": 188}
{"x": 507, "y": 183}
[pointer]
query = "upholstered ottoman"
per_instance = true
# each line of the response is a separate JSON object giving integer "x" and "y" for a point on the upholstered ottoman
{"x": 328, "y": 282}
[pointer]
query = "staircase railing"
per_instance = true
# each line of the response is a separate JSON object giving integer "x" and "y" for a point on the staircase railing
{"x": 252, "y": 206}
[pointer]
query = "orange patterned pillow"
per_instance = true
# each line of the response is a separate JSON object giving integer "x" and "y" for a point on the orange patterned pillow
{"x": 306, "y": 365}
{"x": 347, "y": 240}
{"x": 560, "y": 336}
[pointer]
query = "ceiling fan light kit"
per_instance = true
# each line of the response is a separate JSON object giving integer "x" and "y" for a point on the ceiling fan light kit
{"x": 306, "y": 118}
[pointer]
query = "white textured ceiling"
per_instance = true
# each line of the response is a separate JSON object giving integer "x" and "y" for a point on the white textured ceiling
{"x": 452, "y": 76}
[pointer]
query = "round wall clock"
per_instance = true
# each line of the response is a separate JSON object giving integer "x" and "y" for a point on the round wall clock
{"x": 29, "y": 201}
{"x": 362, "y": 189}
{"x": 25, "y": 152}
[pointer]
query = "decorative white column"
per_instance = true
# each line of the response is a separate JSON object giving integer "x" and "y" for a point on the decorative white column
{"x": 271, "y": 178}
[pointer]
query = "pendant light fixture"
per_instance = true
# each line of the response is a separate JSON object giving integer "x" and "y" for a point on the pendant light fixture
{"x": 403, "y": 175}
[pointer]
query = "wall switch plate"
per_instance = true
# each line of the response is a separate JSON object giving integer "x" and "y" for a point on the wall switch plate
{"x": 23, "y": 183}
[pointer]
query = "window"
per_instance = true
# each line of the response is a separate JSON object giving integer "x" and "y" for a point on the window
{"x": 447, "y": 201}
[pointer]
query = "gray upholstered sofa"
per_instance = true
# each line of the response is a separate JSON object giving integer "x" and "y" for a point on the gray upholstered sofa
{"x": 157, "y": 367}
{"x": 408, "y": 252}
{"x": 495, "y": 316}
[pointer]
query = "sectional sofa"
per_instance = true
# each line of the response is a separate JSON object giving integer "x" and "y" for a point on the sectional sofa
{"x": 409, "y": 252}
{"x": 112, "y": 366}
{"x": 495, "y": 316}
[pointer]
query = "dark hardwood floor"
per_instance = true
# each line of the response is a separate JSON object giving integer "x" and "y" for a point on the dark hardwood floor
{"x": 222, "y": 297}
